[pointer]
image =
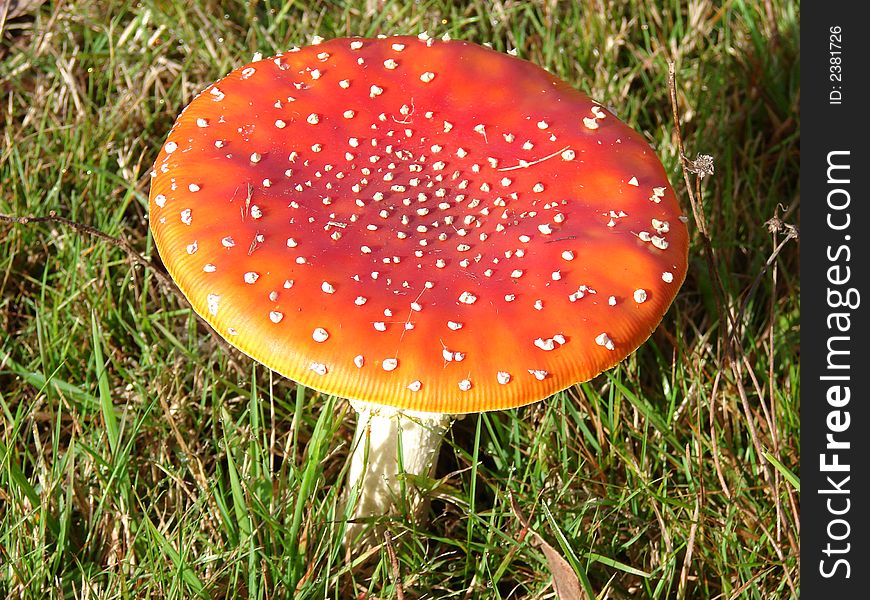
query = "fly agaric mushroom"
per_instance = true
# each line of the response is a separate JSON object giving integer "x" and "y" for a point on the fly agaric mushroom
{"x": 426, "y": 228}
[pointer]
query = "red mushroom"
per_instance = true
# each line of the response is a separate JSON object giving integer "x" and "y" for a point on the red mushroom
{"x": 425, "y": 225}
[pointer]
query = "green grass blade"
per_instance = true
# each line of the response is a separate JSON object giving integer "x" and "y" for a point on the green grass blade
{"x": 186, "y": 572}
{"x": 107, "y": 407}
{"x": 793, "y": 479}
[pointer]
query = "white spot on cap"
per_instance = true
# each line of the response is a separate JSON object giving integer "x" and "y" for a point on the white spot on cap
{"x": 427, "y": 76}
{"x": 200, "y": 122}
{"x": 661, "y": 226}
{"x": 356, "y": 45}
{"x": 359, "y": 361}
{"x": 390, "y": 64}
{"x": 251, "y": 277}
{"x": 503, "y": 377}
{"x": 380, "y": 326}
{"x": 580, "y": 293}
{"x": 320, "y": 335}
{"x": 186, "y": 217}
{"x": 318, "y": 368}
{"x": 327, "y": 287}
{"x": 390, "y": 364}
{"x": 375, "y": 91}
{"x": 467, "y": 298}
{"x": 668, "y": 277}
{"x": 602, "y": 339}
{"x": 170, "y": 147}
{"x": 415, "y": 386}
{"x": 454, "y": 325}
{"x": 193, "y": 187}
{"x": 568, "y": 155}
{"x": 209, "y": 268}
{"x": 191, "y": 248}
{"x": 633, "y": 181}
{"x": 276, "y": 316}
{"x": 465, "y": 385}
{"x": 640, "y": 296}
{"x": 212, "y": 300}
{"x": 280, "y": 124}
{"x": 568, "y": 255}
{"x": 228, "y": 242}
{"x": 360, "y": 300}
{"x": 160, "y": 200}
{"x": 659, "y": 242}
{"x": 539, "y": 374}
{"x": 313, "y": 119}
{"x": 546, "y": 345}
{"x": 590, "y": 123}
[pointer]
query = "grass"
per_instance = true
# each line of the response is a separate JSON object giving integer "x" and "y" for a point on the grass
{"x": 140, "y": 459}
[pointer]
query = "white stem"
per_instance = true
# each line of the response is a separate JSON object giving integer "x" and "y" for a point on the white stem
{"x": 384, "y": 437}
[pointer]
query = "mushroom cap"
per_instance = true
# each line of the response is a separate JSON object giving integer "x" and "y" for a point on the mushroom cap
{"x": 430, "y": 225}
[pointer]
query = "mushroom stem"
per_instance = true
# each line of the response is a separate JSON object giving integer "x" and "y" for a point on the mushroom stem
{"x": 389, "y": 445}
